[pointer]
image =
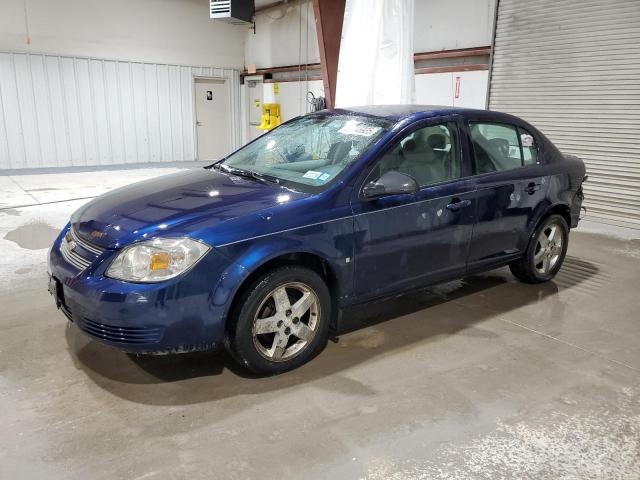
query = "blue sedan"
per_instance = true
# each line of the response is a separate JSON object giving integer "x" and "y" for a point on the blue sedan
{"x": 260, "y": 251}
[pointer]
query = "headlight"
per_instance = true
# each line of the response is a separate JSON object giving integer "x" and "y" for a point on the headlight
{"x": 156, "y": 260}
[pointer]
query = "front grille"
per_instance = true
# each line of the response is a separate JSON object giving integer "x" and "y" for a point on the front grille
{"x": 77, "y": 258}
{"x": 73, "y": 257}
{"x": 67, "y": 311}
{"x": 96, "y": 250}
{"x": 128, "y": 335}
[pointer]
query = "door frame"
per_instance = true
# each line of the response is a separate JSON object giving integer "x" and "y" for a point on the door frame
{"x": 229, "y": 112}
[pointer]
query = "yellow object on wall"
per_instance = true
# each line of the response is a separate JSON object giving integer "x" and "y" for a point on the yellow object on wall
{"x": 270, "y": 116}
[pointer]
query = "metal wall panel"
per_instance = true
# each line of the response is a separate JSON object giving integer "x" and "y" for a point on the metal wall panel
{"x": 72, "y": 111}
{"x": 573, "y": 70}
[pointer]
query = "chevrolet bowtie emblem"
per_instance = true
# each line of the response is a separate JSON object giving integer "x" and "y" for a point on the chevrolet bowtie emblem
{"x": 71, "y": 244}
{"x": 97, "y": 234}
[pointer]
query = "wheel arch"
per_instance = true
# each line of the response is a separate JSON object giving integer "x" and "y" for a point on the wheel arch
{"x": 545, "y": 211}
{"x": 312, "y": 260}
{"x": 559, "y": 209}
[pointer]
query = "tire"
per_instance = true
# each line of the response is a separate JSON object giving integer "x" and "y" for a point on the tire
{"x": 287, "y": 336}
{"x": 539, "y": 265}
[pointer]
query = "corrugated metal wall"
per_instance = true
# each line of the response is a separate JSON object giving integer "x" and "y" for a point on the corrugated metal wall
{"x": 573, "y": 70}
{"x": 71, "y": 111}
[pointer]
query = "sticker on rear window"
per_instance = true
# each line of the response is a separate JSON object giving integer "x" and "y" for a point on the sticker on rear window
{"x": 527, "y": 140}
{"x": 312, "y": 175}
{"x": 324, "y": 176}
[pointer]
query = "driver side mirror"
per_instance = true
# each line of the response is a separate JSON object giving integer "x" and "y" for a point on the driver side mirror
{"x": 391, "y": 183}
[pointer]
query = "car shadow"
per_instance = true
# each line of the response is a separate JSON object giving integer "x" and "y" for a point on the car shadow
{"x": 367, "y": 331}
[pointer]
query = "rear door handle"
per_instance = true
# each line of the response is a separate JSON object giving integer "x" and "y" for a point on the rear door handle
{"x": 532, "y": 188}
{"x": 457, "y": 204}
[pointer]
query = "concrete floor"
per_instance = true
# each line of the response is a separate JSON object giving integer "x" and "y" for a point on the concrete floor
{"x": 480, "y": 378}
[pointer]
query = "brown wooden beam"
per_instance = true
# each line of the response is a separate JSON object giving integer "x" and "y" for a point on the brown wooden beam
{"x": 453, "y": 68}
{"x": 329, "y": 15}
{"x": 460, "y": 52}
{"x": 286, "y": 69}
{"x": 285, "y": 80}
{"x": 314, "y": 67}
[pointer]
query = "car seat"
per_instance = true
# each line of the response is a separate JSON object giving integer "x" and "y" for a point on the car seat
{"x": 427, "y": 163}
{"x": 338, "y": 152}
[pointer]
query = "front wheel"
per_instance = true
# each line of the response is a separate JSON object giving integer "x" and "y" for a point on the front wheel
{"x": 545, "y": 253}
{"x": 282, "y": 320}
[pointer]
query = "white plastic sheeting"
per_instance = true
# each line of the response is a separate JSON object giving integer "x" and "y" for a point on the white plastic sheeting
{"x": 376, "y": 53}
{"x": 69, "y": 111}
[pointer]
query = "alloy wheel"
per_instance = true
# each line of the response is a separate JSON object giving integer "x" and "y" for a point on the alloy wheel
{"x": 548, "y": 249}
{"x": 286, "y": 321}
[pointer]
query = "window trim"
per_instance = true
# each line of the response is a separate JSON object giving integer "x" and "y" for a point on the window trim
{"x": 410, "y": 130}
{"x": 535, "y": 143}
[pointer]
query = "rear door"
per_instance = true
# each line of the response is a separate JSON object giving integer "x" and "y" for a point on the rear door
{"x": 405, "y": 241}
{"x": 511, "y": 186}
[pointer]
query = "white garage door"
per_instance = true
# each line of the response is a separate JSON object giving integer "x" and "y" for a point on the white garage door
{"x": 573, "y": 70}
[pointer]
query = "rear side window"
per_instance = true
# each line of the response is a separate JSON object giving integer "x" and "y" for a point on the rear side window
{"x": 496, "y": 147}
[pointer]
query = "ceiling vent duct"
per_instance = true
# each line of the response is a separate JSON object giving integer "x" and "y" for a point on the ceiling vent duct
{"x": 238, "y": 12}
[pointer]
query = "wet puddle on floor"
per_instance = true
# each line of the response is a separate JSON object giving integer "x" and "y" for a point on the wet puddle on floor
{"x": 33, "y": 236}
{"x": 10, "y": 211}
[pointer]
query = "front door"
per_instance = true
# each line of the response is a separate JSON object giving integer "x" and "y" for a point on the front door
{"x": 405, "y": 241}
{"x": 212, "y": 119}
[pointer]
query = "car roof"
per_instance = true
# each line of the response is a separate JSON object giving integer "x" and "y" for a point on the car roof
{"x": 397, "y": 113}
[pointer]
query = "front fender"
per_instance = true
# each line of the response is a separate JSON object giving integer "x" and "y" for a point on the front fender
{"x": 330, "y": 242}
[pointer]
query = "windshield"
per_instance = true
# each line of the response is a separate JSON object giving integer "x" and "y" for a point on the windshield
{"x": 308, "y": 152}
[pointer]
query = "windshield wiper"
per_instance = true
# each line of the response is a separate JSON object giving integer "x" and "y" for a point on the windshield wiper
{"x": 246, "y": 173}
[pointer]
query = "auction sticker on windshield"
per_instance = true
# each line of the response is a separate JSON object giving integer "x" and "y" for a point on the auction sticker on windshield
{"x": 352, "y": 127}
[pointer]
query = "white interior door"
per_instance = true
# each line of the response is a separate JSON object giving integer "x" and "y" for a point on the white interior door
{"x": 212, "y": 119}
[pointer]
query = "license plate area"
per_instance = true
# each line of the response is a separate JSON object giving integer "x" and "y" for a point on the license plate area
{"x": 55, "y": 289}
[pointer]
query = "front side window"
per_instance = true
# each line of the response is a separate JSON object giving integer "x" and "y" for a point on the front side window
{"x": 308, "y": 152}
{"x": 429, "y": 155}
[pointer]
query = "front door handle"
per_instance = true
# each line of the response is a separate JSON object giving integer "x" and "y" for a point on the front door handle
{"x": 457, "y": 204}
{"x": 532, "y": 188}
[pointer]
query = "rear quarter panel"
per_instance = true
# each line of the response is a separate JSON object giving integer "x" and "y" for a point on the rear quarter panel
{"x": 565, "y": 185}
{"x": 565, "y": 176}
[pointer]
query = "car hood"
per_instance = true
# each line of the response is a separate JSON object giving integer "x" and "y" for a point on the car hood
{"x": 189, "y": 203}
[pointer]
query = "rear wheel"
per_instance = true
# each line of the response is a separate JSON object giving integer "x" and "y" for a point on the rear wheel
{"x": 545, "y": 253}
{"x": 282, "y": 320}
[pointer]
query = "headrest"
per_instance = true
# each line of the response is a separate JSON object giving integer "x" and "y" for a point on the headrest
{"x": 409, "y": 146}
{"x": 500, "y": 144}
{"x": 437, "y": 140}
{"x": 339, "y": 152}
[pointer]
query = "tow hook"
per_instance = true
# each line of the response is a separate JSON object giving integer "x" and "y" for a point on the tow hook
{"x": 583, "y": 209}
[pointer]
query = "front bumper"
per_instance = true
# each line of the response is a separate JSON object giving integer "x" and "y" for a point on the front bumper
{"x": 185, "y": 313}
